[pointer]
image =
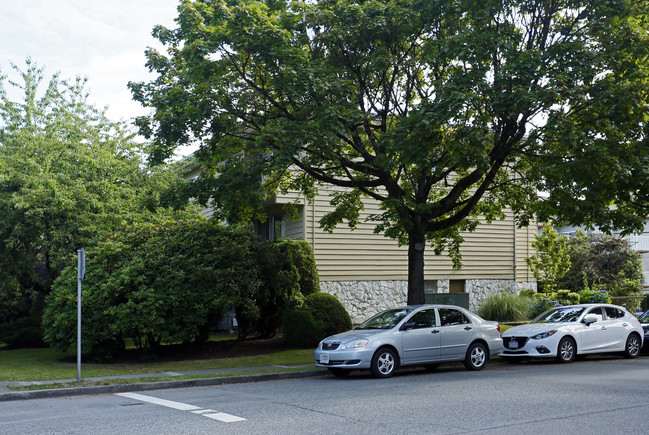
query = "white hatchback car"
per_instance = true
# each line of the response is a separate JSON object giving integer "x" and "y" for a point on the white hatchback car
{"x": 565, "y": 332}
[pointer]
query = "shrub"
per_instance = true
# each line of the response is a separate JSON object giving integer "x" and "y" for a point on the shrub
{"x": 24, "y": 332}
{"x": 301, "y": 329}
{"x": 330, "y": 311}
{"x": 594, "y": 297}
{"x": 505, "y": 306}
{"x": 542, "y": 304}
{"x": 157, "y": 283}
{"x": 565, "y": 297}
{"x": 289, "y": 273}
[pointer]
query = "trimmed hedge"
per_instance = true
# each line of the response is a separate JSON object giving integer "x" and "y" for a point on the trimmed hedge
{"x": 301, "y": 329}
{"x": 330, "y": 311}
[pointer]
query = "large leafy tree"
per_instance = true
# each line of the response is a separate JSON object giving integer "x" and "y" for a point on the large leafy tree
{"x": 67, "y": 174}
{"x": 446, "y": 112}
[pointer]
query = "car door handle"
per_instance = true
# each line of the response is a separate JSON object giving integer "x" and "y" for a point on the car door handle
{"x": 468, "y": 328}
{"x": 435, "y": 331}
{"x": 603, "y": 328}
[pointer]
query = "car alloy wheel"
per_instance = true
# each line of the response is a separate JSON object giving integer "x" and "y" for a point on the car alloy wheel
{"x": 632, "y": 348}
{"x": 566, "y": 350}
{"x": 476, "y": 357}
{"x": 384, "y": 363}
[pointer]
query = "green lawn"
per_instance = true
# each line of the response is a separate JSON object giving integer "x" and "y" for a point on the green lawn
{"x": 45, "y": 364}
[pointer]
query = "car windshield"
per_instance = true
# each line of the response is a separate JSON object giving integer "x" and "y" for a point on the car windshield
{"x": 385, "y": 320}
{"x": 565, "y": 314}
{"x": 644, "y": 318}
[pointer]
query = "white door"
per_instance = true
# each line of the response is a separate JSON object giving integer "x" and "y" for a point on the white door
{"x": 594, "y": 337}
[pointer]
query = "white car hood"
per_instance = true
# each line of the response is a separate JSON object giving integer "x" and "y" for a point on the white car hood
{"x": 533, "y": 329}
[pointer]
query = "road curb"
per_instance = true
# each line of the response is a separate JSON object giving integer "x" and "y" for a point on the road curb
{"x": 160, "y": 385}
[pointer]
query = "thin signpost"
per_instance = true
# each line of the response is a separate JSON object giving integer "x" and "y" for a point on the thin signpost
{"x": 81, "y": 266}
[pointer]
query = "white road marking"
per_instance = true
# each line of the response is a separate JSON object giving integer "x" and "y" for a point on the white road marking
{"x": 162, "y": 402}
{"x": 209, "y": 413}
{"x": 226, "y": 418}
{"x": 204, "y": 411}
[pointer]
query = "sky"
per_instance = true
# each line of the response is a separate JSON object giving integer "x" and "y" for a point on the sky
{"x": 103, "y": 40}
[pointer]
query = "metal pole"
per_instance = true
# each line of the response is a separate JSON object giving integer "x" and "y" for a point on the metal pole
{"x": 79, "y": 330}
{"x": 81, "y": 265}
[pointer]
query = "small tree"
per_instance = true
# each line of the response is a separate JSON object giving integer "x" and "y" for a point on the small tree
{"x": 552, "y": 260}
{"x": 602, "y": 261}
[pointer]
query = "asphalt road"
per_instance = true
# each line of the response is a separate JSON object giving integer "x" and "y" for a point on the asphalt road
{"x": 599, "y": 396}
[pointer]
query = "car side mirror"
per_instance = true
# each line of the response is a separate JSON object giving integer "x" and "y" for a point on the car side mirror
{"x": 407, "y": 325}
{"x": 590, "y": 320}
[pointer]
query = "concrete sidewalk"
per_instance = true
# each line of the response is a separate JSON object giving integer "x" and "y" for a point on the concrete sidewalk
{"x": 231, "y": 377}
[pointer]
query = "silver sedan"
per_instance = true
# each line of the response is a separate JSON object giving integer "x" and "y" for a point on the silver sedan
{"x": 412, "y": 335}
{"x": 565, "y": 332}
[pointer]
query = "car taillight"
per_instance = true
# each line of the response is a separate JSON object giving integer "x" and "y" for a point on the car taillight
{"x": 498, "y": 328}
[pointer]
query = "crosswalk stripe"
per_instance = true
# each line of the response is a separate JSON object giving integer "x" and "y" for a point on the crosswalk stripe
{"x": 161, "y": 402}
{"x": 209, "y": 413}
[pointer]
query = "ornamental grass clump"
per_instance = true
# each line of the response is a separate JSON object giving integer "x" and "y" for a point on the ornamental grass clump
{"x": 505, "y": 306}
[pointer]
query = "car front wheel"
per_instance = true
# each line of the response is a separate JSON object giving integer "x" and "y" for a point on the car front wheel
{"x": 384, "y": 363}
{"x": 566, "y": 350}
{"x": 476, "y": 357}
{"x": 632, "y": 348}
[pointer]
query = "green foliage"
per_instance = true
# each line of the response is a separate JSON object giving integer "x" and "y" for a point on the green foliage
{"x": 67, "y": 175}
{"x": 546, "y": 301}
{"x": 594, "y": 297}
{"x": 551, "y": 261}
{"x": 304, "y": 261}
{"x": 330, "y": 311}
{"x": 301, "y": 329}
{"x": 157, "y": 283}
{"x": 603, "y": 261}
{"x": 542, "y": 304}
{"x": 444, "y": 128}
{"x": 288, "y": 272}
{"x": 505, "y": 306}
{"x": 24, "y": 332}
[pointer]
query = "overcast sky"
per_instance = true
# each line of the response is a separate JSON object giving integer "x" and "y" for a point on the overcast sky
{"x": 103, "y": 40}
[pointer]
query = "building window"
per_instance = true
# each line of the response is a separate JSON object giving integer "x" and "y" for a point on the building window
{"x": 273, "y": 228}
{"x": 430, "y": 287}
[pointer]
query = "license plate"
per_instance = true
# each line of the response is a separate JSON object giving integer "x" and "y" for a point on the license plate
{"x": 513, "y": 344}
{"x": 324, "y": 359}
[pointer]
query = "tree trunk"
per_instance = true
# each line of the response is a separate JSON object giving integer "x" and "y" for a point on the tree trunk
{"x": 416, "y": 246}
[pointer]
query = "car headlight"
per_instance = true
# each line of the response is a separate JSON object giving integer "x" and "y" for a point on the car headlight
{"x": 544, "y": 335}
{"x": 355, "y": 343}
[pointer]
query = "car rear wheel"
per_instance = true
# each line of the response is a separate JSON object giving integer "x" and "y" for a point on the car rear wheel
{"x": 632, "y": 348}
{"x": 476, "y": 357}
{"x": 566, "y": 350}
{"x": 338, "y": 372}
{"x": 384, "y": 363}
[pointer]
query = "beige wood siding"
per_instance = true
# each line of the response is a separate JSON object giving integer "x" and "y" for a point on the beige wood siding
{"x": 490, "y": 252}
{"x": 295, "y": 229}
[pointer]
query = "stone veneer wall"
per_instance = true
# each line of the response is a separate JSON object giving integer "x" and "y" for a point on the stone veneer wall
{"x": 363, "y": 299}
